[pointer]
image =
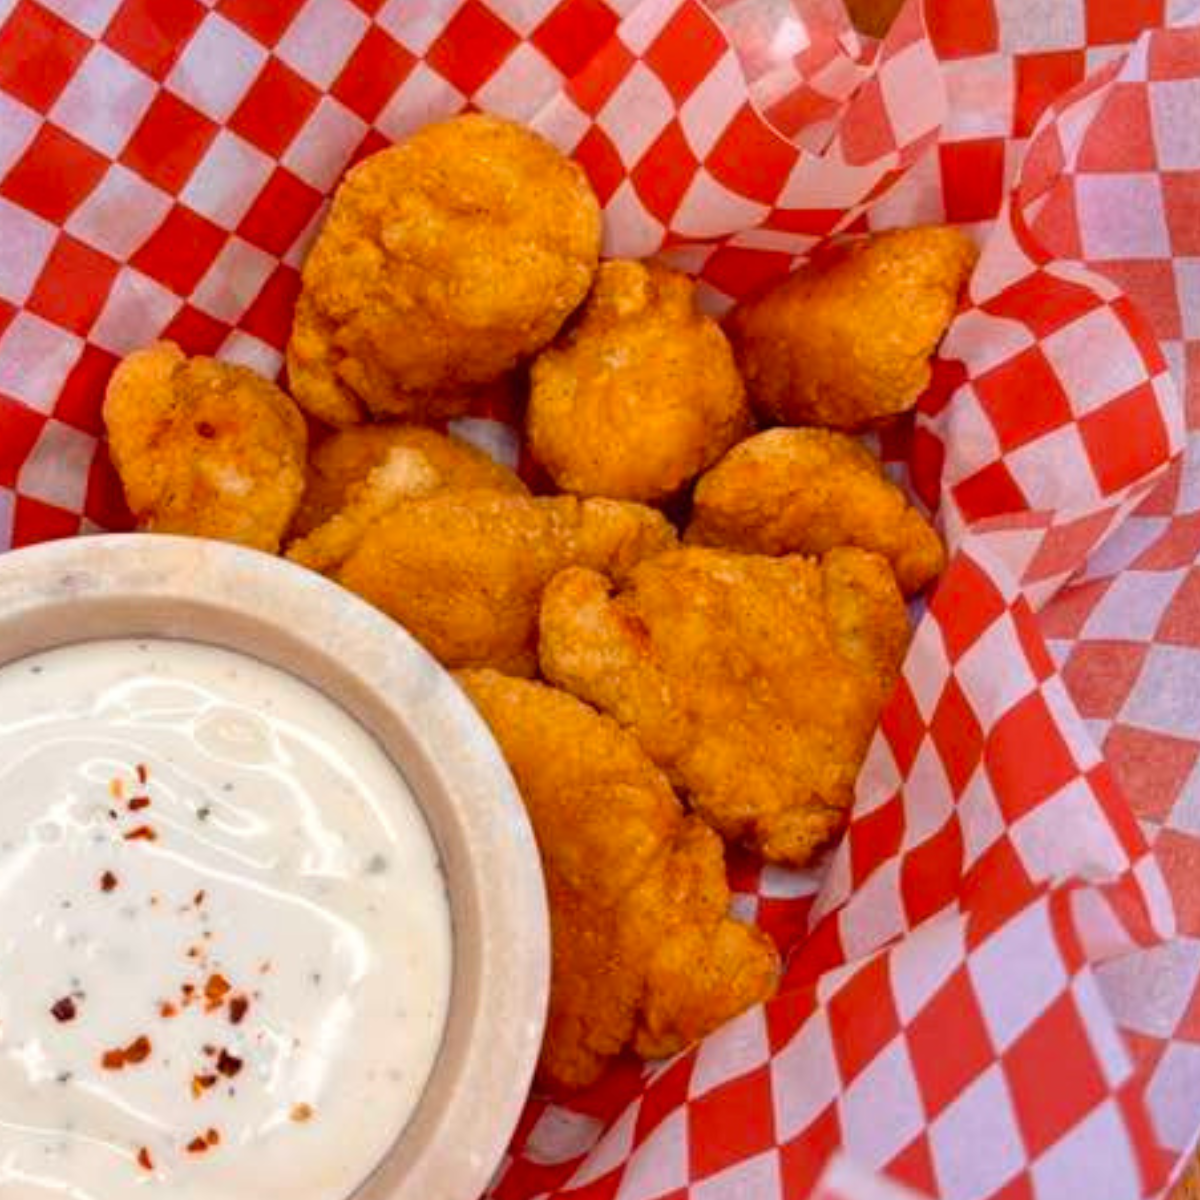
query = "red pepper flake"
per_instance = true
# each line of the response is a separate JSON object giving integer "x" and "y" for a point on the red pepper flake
{"x": 212, "y": 1137}
{"x": 215, "y": 990}
{"x": 64, "y": 1009}
{"x": 211, "y": 1051}
{"x": 143, "y": 833}
{"x": 197, "y": 1146}
{"x": 138, "y": 1050}
{"x": 108, "y": 881}
{"x": 167, "y": 1010}
{"x": 138, "y": 803}
{"x": 238, "y": 1007}
{"x": 301, "y": 1112}
{"x": 198, "y": 898}
{"x": 143, "y": 772}
{"x": 201, "y": 1084}
{"x": 116, "y": 789}
{"x": 229, "y": 1064}
{"x": 188, "y": 990}
{"x": 144, "y": 1159}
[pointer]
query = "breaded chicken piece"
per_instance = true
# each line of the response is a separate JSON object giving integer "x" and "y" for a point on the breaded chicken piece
{"x": 754, "y": 682}
{"x": 405, "y": 474}
{"x": 805, "y": 491}
{"x": 846, "y": 340}
{"x": 444, "y": 262}
{"x": 205, "y": 447}
{"x": 645, "y": 954}
{"x": 464, "y": 571}
{"x": 640, "y": 395}
{"x": 347, "y": 457}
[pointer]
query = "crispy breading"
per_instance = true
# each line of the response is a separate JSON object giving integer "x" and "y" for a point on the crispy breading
{"x": 645, "y": 955}
{"x": 444, "y": 262}
{"x": 347, "y": 457}
{"x": 846, "y": 340}
{"x": 204, "y": 447}
{"x": 755, "y": 683}
{"x": 405, "y": 474}
{"x": 464, "y": 571}
{"x": 640, "y": 395}
{"x": 805, "y": 491}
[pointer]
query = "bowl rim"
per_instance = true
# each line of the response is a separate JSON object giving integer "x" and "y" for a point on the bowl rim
{"x": 153, "y": 585}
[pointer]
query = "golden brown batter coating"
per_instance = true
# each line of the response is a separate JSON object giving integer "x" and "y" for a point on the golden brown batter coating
{"x": 644, "y": 952}
{"x": 204, "y": 447}
{"x": 805, "y": 491}
{"x": 754, "y": 683}
{"x": 444, "y": 262}
{"x": 347, "y": 457}
{"x": 640, "y": 395}
{"x": 464, "y": 571}
{"x": 846, "y": 340}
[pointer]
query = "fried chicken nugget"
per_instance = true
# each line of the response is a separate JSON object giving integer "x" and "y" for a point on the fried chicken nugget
{"x": 846, "y": 340}
{"x": 464, "y": 571}
{"x": 640, "y": 395}
{"x": 204, "y": 447}
{"x": 644, "y": 952}
{"x": 755, "y": 683}
{"x": 347, "y": 457}
{"x": 406, "y": 474}
{"x": 806, "y": 491}
{"x": 444, "y": 262}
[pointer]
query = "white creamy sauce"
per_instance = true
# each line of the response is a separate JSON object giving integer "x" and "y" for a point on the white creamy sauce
{"x": 235, "y": 990}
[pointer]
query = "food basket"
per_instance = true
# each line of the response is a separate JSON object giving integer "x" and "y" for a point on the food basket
{"x": 993, "y": 985}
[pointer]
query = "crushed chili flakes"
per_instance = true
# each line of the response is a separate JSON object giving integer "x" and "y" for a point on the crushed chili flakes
{"x": 136, "y": 1052}
{"x": 64, "y": 1009}
{"x": 144, "y": 1159}
{"x": 143, "y": 772}
{"x": 138, "y": 803}
{"x": 198, "y": 898}
{"x": 167, "y": 1010}
{"x": 238, "y": 1007}
{"x": 108, "y": 881}
{"x": 212, "y": 1137}
{"x": 216, "y": 988}
{"x": 116, "y": 789}
{"x": 143, "y": 833}
{"x": 229, "y": 1064}
{"x": 301, "y": 1112}
{"x": 197, "y": 1146}
{"x": 201, "y": 1084}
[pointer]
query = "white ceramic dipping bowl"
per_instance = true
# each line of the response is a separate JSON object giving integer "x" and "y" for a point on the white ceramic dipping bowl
{"x": 144, "y": 585}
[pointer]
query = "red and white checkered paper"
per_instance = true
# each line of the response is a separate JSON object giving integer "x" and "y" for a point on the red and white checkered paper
{"x": 993, "y": 987}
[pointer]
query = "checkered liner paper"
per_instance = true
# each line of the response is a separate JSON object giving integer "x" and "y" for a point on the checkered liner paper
{"x": 993, "y": 987}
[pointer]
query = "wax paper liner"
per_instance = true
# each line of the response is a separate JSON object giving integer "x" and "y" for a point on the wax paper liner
{"x": 988, "y": 996}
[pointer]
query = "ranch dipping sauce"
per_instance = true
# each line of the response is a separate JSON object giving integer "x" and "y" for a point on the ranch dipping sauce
{"x": 225, "y": 948}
